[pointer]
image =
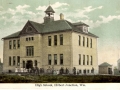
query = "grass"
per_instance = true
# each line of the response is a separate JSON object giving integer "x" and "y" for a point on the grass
{"x": 59, "y": 79}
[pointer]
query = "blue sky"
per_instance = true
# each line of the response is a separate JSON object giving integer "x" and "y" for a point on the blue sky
{"x": 103, "y": 17}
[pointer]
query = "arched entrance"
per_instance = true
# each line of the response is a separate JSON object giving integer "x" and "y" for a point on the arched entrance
{"x": 29, "y": 64}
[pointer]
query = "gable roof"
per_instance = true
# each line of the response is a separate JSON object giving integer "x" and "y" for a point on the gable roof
{"x": 54, "y": 26}
{"x": 104, "y": 64}
{"x": 37, "y": 26}
{"x": 49, "y": 9}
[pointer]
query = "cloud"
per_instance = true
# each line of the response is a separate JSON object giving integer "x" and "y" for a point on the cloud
{"x": 20, "y": 7}
{"x": 100, "y": 7}
{"x": 86, "y": 10}
{"x": 54, "y": 6}
{"x": 42, "y": 8}
{"x": 109, "y": 18}
{"x": 103, "y": 20}
{"x": 90, "y": 8}
{"x": 82, "y": 13}
{"x": 13, "y": 12}
{"x": 38, "y": 16}
{"x": 58, "y": 4}
{"x": 1, "y": 8}
{"x": 18, "y": 15}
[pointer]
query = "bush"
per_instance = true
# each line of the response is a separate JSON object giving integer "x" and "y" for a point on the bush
{"x": 59, "y": 79}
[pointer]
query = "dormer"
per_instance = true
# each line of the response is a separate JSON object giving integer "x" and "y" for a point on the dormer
{"x": 85, "y": 29}
{"x": 81, "y": 26}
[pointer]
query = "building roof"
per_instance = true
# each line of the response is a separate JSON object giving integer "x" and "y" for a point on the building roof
{"x": 104, "y": 64}
{"x": 14, "y": 35}
{"x": 49, "y": 9}
{"x": 51, "y": 27}
{"x": 54, "y": 26}
{"x": 39, "y": 27}
{"x": 59, "y": 25}
{"x": 80, "y": 23}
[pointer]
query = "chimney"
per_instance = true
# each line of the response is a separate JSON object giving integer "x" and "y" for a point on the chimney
{"x": 61, "y": 16}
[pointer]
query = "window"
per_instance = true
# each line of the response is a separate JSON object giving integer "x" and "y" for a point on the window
{"x": 49, "y": 59}
{"x": 87, "y": 71}
{"x": 49, "y": 40}
{"x": 9, "y": 61}
{"x": 84, "y": 71}
{"x": 80, "y": 71}
{"x": 18, "y": 43}
{"x": 30, "y": 51}
{"x": 55, "y": 59}
{"x": 29, "y": 38}
{"x": 61, "y": 59}
{"x": 55, "y": 39}
{"x": 18, "y": 60}
{"x": 91, "y": 43}
{"x": 26, "y": 39}
{"x": 29, "y": 29}
{"x": 83, "y": 41}
{"x": 10, "y": 44}
{"x": 79, "y": 41}
{"x": 85, "y": 29}
{"x": 14, "y": 44}
{"x": 83, "y": 59}
{"x": 87, "y": 42}
{"x": 61, "y": 39}
{"x": 87, "y": 59}
{"x": 32, "y": 38}
{"x": 91, "y": 60}
{"x": 23, "y": 64}
{"x": 36, "y": 63}
{"x": 79, "y": 59}
{"x": 13, "y": 60}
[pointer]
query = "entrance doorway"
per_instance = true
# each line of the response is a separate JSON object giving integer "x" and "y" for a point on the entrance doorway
{"x": 29, "y": 64}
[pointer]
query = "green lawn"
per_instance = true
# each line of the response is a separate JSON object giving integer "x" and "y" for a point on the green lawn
{"x": 59, "y": 79}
